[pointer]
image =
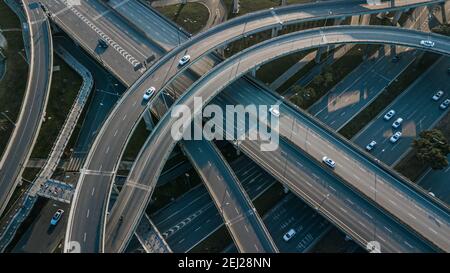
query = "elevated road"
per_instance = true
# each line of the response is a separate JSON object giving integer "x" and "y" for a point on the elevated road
{"x": 112, "y": 138}
{"x": 128, "y": 51}
{"x": 33, "y": 107}
{"x": 432, "y": 222}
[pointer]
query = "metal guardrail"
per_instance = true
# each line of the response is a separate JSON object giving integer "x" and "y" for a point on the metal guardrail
{"x": 70, "y": 122}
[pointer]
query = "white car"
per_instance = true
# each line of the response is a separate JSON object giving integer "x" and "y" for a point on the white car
{"x": 289, "y": 235}
{"x": 438, "y": 95}
{"x": 397, "y": 123}
{"x": 184, "y": 60}
{"x": 329, "y": 162}
{"x": 149, "y": 93}
{"x": 371, "y": 145}
{"x": 389, "y": 115}
{"x": 444, "y": 105}
{"x": 275, "y": 111}
{"x": 427, "y": 43}
{"x": 395, "y": 137}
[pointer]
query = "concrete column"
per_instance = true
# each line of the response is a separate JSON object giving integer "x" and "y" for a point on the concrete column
{"x": 319, "y": 54}
{"x": 148, "y": 120}
{"x": 354, "y": 20}
{"x": 366, "y": 52}
{"x": 397, "y": 16}
{"x": 253, "y": 71}
{"x": 275, "y": 31}
{"x": 445, "y": 9}
{"x": 393, "y": 50}
{"x": 365, "y": 19}
{"x": 236, "y": 6}
{"x": 283, "y": 2}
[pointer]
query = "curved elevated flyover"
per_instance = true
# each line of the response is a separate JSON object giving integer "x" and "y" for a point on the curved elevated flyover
{"x": 103, "y": 158}
{"x": 32, "y": 111}
{"x": 149, "y": 164}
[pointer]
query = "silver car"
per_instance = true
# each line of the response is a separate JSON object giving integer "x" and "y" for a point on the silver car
{"x": 395, "y": 137}
{"x": 329, "y": 162}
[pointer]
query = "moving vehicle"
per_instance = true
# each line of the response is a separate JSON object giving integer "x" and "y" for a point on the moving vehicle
{"x": 102, "y": 43}
{"x": 438, "y": 95}
{"x": 289, "y": 235}
{"x": 329, "y": 162}
{"x": 149, "y": 93}
{"x": 395, "y": 137}
{"x": 389, "y": 115}
{"x": 427, "y": 43}
{"x": 56, "y": 217}
{"x": 184, "y": 60}
{"x": 397, "y": 123}
{"x": 371, "y": 145}
{"x": 275, "y": 111}
{"x": 444, "y": 105}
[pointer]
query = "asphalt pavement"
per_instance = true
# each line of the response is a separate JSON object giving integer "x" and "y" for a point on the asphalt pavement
{"x": 418, "y": 110}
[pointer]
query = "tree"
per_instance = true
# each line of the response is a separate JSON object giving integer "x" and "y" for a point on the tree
{"x": 432, "y": 148}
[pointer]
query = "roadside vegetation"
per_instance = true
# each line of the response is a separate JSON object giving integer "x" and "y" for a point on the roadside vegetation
{"x": 247, "y": 6}
{"x": 64, "y": 88}
{"x": 13, "y": 84}
{"x": 191, "y": 16}
{"x": 412, "y": 166}
{"x": 305, "y": 96}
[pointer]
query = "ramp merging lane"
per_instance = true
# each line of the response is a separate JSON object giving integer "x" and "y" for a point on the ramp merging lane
{"x": 32, "y": 111}
{"x": 105, "y": 154}
{"x": 420, "y": 214}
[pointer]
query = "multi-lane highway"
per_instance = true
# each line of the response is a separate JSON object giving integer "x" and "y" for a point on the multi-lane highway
{"x": 122, "y": 116}
{"x": 240, "y": 216}
{"x": 159, "y": 145}
{"x": 416, "y": 107}
{"x": 32, "y": 112}
{"x": 128, "y": 51}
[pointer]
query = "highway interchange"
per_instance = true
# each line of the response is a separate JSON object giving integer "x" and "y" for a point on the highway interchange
{"x": 97, "y": 175}
{"x": 148, "y": 179}
{"x": 32, "y": 112}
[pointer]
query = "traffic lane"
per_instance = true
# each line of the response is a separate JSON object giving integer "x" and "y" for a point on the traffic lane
{"x": 359, "y": 219}
{"x": 32, "y": 109}
{"x": 417, "y": 109}
{"x": 283, "y": 159}
{"x": 41, "y": 237}
{"x": 109, "y": 22}
{"x": 244, "y": 63}
{"x": 437, "y": 182}
{"x": 162, "y": 32}
{"x": 190, "y": 227}
{"x": 88, "y": 38}
{"x": 241, "y": 218}
{"x": 86, "y": 227}
{"x": 360, "y": 88}
{"x": 107, "y": 92}
{"x": 289, "y": 213}
{"x": 354, "y": 172}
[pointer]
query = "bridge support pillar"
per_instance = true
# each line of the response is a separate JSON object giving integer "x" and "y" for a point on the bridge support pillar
{"x": 397, "y": 16}
{"x": 393, "y": 51}
{"x": 236, "y": 6}
{"x": 253, "y": 72}
{"x": 275, "y": 31}
{"x": 367, "y": 52}
{"x": 354, "y": 20}
{"x": 319, "y": 54}
{"x": 365, "y": 19}
{"x": 148, "y": 120}
{"x": 283, "y": 2}
{"x": 445, "y": 9}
